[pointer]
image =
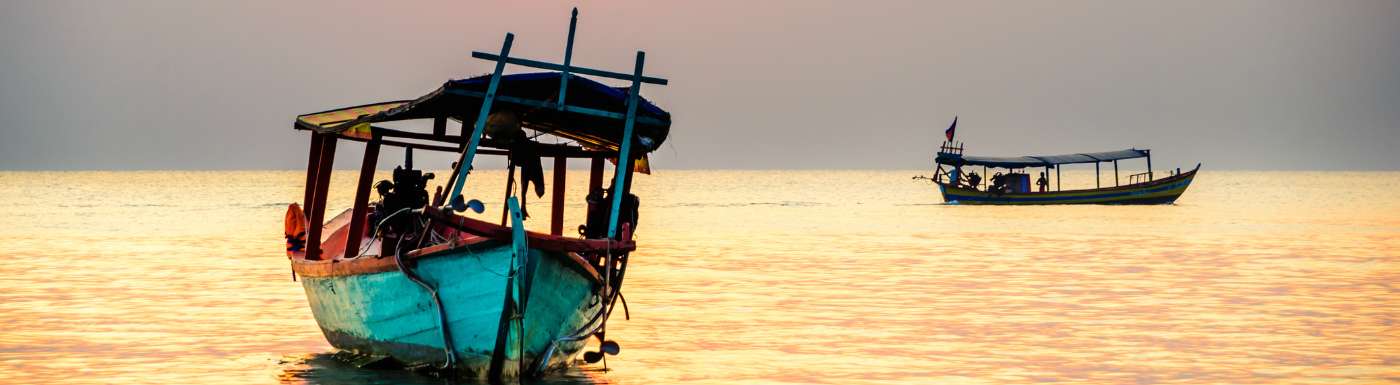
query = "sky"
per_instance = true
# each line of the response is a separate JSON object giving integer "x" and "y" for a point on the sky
{"x": 807, "y": 84}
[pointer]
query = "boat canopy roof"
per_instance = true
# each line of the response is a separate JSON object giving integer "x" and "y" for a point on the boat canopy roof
{"x": 594, "y": 114}
{"x": 1038, "y": 160}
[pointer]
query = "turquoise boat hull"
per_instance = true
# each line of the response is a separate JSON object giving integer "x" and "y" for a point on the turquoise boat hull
{"x": 386, "y": 314}
{"x": 1161, "y": 191}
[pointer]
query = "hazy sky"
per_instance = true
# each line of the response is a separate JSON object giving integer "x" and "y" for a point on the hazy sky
{"x": 755, "y": 84}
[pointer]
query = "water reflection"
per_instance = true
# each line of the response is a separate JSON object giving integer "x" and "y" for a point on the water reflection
{"x": 327, "y": 369}
{"x": 753, "y": 277}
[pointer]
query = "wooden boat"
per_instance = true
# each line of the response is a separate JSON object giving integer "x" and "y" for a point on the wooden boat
{"x": 428, "y": 282}
{"x": 1015, "y": 188}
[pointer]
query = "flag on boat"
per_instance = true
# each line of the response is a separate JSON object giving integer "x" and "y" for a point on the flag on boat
{"x": 951, "y": 129}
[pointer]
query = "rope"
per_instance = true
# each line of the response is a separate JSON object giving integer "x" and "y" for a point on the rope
{"x": 451, "y": 353}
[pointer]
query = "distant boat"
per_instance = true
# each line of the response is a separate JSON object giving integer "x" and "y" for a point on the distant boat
{"x": 419, "y": 281}
{"x": 1014, "y": 187}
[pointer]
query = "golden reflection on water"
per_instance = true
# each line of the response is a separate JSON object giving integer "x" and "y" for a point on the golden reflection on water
{"x": 754, "y": 276}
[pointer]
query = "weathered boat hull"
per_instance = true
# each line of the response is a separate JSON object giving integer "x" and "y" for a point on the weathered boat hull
{"x": 384, "y": 313}
{"x": 1161, "y": 191}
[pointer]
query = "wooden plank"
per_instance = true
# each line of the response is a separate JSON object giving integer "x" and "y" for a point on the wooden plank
{"x": 536, "y": 103}
{"x": 568, "y": 58}
{"x": 557, "y": 67}
{"x": 440, "y": 126}
{"x": 318, "y": 200}
{"x": 359, "y": 215}
{"x": 1149, "y": 164}
{"x": 624, "y": 157}
{"x": 542, "y": 148}
{"x": 313, "y": 160}
{"x": 464, "y": 164}
{"x": 595, "y": 175}
{"x": 537, "y": 241}
{"x": 1097, "y": 178}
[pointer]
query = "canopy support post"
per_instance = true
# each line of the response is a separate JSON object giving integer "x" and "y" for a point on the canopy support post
{"x": 624, "y": 157}
{"x": 595, "y": 183}
{"x": 315, "y": 219}
{"x": 464, "y": 164}
{"x": 1097, "y": 178}
{"x": 1149, "y": 165}
{"x": 985, "y": 178}
{"x": 1057, "y": 177}
{"x": 1046, "y": 174}
{"x": 556, "y": 220}
{"x": 358, "y": 215}
{"x": 1115, "y": 173}
{"x": 595, "y": 174}
{"x": 440, "y": 126}
{"x": 312, "y": 162}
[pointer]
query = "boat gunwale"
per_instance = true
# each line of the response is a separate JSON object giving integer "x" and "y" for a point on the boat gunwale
{"x": 1127, "y": 187}
{"x": 339, "y": 265}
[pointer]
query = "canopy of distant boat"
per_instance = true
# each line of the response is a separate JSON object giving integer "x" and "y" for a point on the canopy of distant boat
{"x": 959, "y": 182}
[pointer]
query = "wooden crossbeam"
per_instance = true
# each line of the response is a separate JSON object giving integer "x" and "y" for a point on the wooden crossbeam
{"x": 559, "y": 67}
{"x": 546, "y": 104}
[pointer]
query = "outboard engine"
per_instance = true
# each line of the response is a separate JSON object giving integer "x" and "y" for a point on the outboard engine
{"x": 394, "y": 211}
{"x": 600, "y": 212}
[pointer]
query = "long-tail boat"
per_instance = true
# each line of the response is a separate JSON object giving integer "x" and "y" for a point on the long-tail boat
{"x": 427, "y": 282}
{"x": 1014, "y": 187}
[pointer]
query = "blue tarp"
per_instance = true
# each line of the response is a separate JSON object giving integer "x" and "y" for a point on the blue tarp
{"x": 1039, "y": 160}
{"x": 521, "y": 93}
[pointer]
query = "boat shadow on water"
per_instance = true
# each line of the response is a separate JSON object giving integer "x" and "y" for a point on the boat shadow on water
{"x": 334, "y": 369}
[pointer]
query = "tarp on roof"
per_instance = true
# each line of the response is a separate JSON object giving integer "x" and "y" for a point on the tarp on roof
{"x": 1039, "y": 160}
{"x": 521, "y": 93}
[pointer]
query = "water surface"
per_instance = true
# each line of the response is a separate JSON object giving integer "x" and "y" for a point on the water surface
{"x": 753, "y": 277}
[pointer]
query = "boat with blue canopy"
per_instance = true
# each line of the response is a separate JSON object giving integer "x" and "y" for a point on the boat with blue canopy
{"x": 958, "y": 181}
{"x": 428, "y": 281}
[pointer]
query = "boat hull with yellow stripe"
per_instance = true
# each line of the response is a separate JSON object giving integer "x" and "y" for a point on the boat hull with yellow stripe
{"x": 1161, "y": 191}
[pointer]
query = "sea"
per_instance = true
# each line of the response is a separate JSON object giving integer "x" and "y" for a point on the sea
{"x": 751, "y": 277}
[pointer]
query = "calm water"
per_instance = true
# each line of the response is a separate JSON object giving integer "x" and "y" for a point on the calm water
{"x": 754, "y": 277}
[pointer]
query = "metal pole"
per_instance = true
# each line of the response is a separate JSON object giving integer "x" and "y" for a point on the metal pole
{"x": 1115, "y": 173}
{"x": 1057, "y": 177}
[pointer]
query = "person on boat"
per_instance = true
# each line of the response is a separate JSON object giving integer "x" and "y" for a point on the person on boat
{"x": 1042, "y": 183}
{"x": 973, "y": 180}
{"x": 998, "y": 183}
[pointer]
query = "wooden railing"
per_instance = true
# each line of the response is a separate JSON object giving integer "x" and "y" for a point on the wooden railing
{"x": 951, "y": 148}
{"x": 1140, "y": 178}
